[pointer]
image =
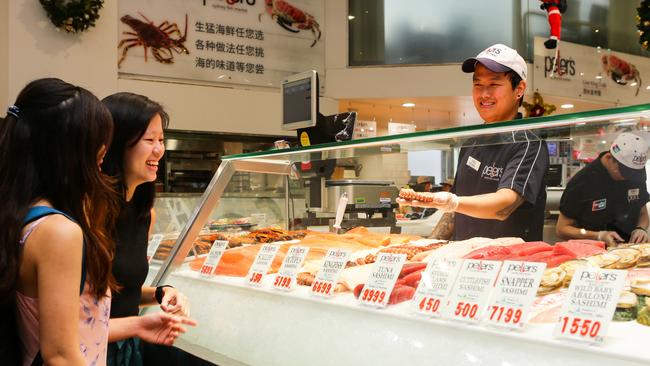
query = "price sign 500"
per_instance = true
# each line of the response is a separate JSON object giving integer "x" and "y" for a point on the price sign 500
{"x": 581, "y": 327}
{"x": 466, "y": 310}
{"x": 373, "y": 296}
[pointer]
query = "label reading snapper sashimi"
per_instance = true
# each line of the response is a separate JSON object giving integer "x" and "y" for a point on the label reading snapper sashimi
{"x": 382, "y": 279}
{"x": 213, "y": 258}
{"x": 328, "y": 276}
{"x": 471, "y": 291}
{"x": 286, "y": 278}
{"x": 590, "y": 304}
{"x": 261, "y": 264}
{"x": 435, "y": 285}
{"x": 514, "y": 293}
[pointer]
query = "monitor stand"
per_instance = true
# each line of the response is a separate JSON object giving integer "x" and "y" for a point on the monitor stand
{"x": 336, "y": 127}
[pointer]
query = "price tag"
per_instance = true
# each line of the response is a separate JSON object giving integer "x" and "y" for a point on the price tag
{"x": 436, "y": 283}
{"x": 514, "y": 294}
{"x": 590, "y": 304}
{"x": 286, "y": 278}
{"x": 471, "y": 291}
{"x": 261, "y": 264}
{"x": 330, "y": 272}
{"x": 382, "y": 279}
{"x": 153, "y": 245}
{"x": 213, "y": 258}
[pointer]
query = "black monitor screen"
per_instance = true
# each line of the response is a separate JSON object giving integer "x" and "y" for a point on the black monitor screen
{"x": 297, "y": 102}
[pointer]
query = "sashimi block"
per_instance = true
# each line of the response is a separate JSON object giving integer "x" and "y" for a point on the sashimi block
{"x": 529, "y": 248}
{"x": 538, "y": 257}
{"x": 485, "y": 252}
{"x": 557, "y": 260}
{"x": 597, "y": 243}
{"x": 577, "y": 250}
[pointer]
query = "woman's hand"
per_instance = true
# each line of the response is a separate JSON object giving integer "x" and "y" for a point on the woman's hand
{"x": 174, "y": 302}
{"x": 162, "y": 328}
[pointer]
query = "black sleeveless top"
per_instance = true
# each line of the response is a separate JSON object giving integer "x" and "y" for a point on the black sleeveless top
{"x": 130, "y": 265}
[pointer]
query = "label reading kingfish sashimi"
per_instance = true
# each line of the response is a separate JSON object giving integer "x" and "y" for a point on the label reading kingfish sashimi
{"x": 213, "y": 258}
{"x": 328, "y": 276}
{"x": 286, "y": 278}
{"x": 382, "y": 279}
{"x": 514, "y": 293}
{"x": 153, "y": 245}
{"x": 261, "y": 264}
{"x": 435, "y": 285}
{"x": 471, "y": 291}
{"x": 590, "y": 304}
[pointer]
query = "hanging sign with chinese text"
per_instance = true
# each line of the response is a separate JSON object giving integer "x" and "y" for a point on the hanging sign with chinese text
{"x": 252, "y": 42}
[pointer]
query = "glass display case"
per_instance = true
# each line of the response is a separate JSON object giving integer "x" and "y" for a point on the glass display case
{"x": 256, "y": 299}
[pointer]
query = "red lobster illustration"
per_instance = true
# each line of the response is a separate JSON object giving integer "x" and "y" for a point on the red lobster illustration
{"x": 290, "y": 17}
{"x": 158, "y": 38}
{"x": 621, "y": 71}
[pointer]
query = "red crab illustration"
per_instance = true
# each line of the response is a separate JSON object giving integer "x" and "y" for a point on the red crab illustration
{"x": 159, "y": 38}
{"x": 291, "y": 18}
{"x": 621, "y": 71}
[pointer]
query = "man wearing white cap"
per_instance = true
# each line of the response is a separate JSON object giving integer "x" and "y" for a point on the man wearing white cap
{"x": 499, "y": 186}
{"x": 606, "y": 199}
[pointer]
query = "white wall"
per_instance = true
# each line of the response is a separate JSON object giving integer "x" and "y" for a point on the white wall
{"x": 4, "y": 53}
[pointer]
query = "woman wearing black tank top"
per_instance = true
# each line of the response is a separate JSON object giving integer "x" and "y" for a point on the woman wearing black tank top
{"x": 132, "y": 160}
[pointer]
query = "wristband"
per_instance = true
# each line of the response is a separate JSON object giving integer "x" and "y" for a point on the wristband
{"x": 158, "y": 295}
{"x": 639, "y": 228}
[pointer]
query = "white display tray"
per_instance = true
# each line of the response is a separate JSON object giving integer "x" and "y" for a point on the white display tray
{"x": 240, "y": 325}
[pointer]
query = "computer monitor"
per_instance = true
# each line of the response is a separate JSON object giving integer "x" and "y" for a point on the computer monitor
{"x": 300, "y": 100}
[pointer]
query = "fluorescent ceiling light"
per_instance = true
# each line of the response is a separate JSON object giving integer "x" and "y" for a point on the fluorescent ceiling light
{"x": 408, "y": 104}
{"x": 567, "y": 106}
{"x": 350, "y": 17}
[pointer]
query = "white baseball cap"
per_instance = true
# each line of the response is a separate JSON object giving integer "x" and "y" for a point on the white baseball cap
{"x": 631, "y": 152}
{"x": 498, "y": 58}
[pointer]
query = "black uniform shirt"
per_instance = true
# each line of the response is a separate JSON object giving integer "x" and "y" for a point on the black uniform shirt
{"x": 598, "y": 202}
{"x": 516, "y": 161}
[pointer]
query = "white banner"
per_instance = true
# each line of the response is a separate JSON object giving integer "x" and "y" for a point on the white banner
{"x": 591, "y": 73}
{"x": 254, "y": 42}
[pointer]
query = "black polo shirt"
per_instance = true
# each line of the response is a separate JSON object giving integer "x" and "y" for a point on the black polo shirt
{"x": 517, "y": 161}
{"x": 598, "y": 202}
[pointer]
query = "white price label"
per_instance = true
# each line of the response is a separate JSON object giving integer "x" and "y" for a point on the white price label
{"x": 330, "y": 272}
{"x": 381, "y": 281}
{"x": 286, "y": 278}
{"x": 435, "y": 285}
{"x": 213, "y": 258}
{"x": 261, "y": 264}
{"x": 471, "y": 291}
{"x": 590, "y": 304}
{"x": 153, "y": 245}
{"x": 514, "y": 293}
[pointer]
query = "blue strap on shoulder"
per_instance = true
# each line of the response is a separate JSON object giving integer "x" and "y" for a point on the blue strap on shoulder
{"x": 36, "y": 213}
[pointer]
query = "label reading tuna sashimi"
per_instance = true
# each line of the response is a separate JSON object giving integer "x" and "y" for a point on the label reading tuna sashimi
{"x": 213, "y": 258}
{"x": 330, "y": 272}
{"x": 382, "y": 279}
{"x": 153, "y": 245}
{"x": 286, "y": 278}
{"x": 433, "y": 291}
{"x": 471, "y": 291}
{"x": 514, "y": 293}
{"x": 261, "y": 264}
{"x": 590, "y": 304}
